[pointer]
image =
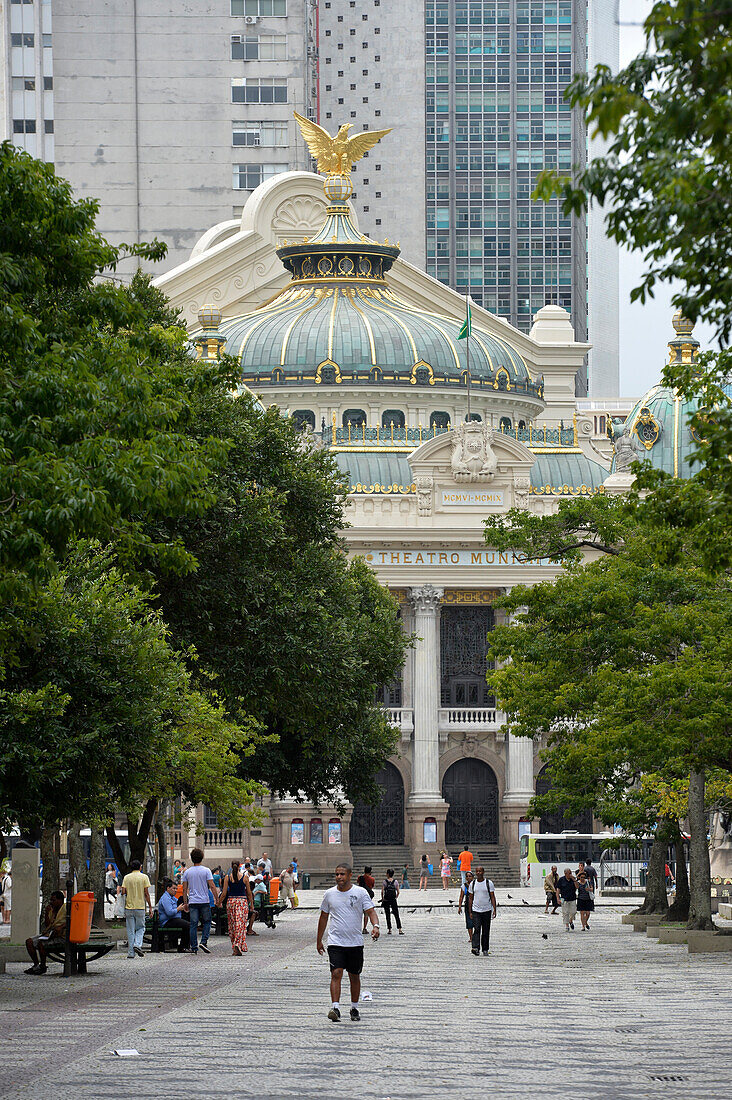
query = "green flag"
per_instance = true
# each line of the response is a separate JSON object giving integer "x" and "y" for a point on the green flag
{"x": 467, "y": 329}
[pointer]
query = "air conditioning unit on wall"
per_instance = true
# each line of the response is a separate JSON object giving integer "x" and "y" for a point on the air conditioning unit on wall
{"x": 250, "y": 20}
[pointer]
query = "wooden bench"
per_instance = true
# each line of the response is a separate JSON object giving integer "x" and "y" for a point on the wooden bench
{"x": 96, "y": 946}
{"x": 158, "y": 935}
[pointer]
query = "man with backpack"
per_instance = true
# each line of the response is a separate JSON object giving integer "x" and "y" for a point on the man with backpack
{"x": 389, "y": 895}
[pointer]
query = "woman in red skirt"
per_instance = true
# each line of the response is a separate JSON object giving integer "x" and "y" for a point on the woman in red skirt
{"x": 237, "y": 896}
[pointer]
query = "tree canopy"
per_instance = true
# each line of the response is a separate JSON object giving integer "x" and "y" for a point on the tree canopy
{"x": 665, "y": 182}
{"x": 621, "y": 664}
{"x": 98, "y": 710}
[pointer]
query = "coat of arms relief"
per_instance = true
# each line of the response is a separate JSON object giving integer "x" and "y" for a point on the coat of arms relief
{"x": 473, "y": 458}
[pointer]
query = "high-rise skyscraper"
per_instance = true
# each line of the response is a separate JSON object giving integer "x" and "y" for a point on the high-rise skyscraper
{"x": 170, "y": 117}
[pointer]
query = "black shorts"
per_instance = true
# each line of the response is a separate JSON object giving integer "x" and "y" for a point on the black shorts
{"x": 349, "y": 959}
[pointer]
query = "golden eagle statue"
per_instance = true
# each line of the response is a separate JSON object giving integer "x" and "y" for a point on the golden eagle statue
{"x": 336, "y": 155}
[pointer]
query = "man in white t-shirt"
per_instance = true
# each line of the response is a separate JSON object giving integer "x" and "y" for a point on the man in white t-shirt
{"x": 346, "y": 905}
{"x": 482, "y": 902}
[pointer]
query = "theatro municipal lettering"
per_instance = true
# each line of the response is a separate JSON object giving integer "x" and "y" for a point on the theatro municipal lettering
{"x": 452, "y": 557}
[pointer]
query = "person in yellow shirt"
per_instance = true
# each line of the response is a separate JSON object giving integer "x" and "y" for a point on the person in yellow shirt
{"x": 136, "y": 890}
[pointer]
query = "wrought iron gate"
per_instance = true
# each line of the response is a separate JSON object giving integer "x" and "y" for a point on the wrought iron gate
{"x": 384, "y": 823}
{"x": 471, "y": 789}
{"x": 557, "y": 822}
{"x": 463, "y": 649}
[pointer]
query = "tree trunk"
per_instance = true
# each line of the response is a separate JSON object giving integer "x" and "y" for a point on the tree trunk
{"x": 77, "y": 857}
{"x": 119, "y": 856}
{"x": 96, "y": 874}
{"x": 679, "y": 911}
{"x": 656, "y": 899}
{"x": 3, "y": 850}
{"x": 49, "y": 858}
{"x": 163, "y": 865}
{"x": 700, "y": 892}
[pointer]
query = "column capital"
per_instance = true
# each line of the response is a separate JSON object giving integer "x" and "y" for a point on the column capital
{"x": 426, "y": 598}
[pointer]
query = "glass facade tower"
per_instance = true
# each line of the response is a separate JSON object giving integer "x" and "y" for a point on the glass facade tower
{"x": 495, "y": 75}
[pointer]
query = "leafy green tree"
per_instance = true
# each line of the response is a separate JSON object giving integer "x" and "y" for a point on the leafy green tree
{"x": 626, "y": 657}
{"x": 293, "y": 632}
{"x": 100, "y": 711}
{"x": 665, "y": 185}
{"x": 665, "y": 182}
{"x": 93, "y": 400}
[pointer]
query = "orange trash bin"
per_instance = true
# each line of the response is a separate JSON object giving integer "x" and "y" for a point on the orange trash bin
{"x": 274, "y": 890}
{"x": 82, "y": 911}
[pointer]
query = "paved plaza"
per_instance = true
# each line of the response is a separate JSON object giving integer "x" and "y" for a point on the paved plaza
{"x": 609, "y": 1013}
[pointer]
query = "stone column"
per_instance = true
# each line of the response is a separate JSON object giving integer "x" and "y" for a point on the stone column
{"x": 519, "y": 789}
{"x": 425, "y": 799}
{"x": 24, "y": 915}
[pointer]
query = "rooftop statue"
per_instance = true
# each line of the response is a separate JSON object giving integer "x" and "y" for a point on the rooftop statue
{"x": 336, "y": 155}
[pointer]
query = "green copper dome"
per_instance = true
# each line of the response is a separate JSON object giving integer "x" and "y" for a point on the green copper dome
{"x": 660, "y": 423}
{"x": 339, "y": 322}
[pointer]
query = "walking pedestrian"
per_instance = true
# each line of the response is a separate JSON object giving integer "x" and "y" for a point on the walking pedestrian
{"x": 267, "y": 865}
{"x": 389, "y": 895}
{"x": 445, "y": 869}
{"x": 136, "y": 891}
{"x": 465, "y": 863}
{"x": 237, "y": 897}
{"x": 6, "y": 894}
{"x": 367, "y": 882}
{"x": 287, "y": 886}
{"x": 482, "y": 901}
{"x": 197, "y": 881}
{"x": 591, "y": 875}
{"x": 550, "y": 889}
{"x": 465, "y": 902}
{"x": 345, "y": 904}
{"x": 585, "y": 901}
{"x": 424, "y": 872}
{"x": 171, "y": 914}
{"x": 405, "y": 877}
{"x": 110, "y": 886}
{"x": 567, "y": 891}
{"x": 295, "y": 874}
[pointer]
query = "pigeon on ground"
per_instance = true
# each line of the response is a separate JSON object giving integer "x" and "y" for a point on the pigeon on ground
{"x": 524, "y": 902}
{"x": 509, "y": 896}
{"x": 412, "y": 910}
{"x": 450, "y": 901}
{"x": 430, "y": 909}
{"x": 544, "y": 936}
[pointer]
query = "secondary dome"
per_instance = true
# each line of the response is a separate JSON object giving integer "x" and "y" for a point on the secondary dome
{"x": 660, "y": 423}
{"x": 338, "y": 321}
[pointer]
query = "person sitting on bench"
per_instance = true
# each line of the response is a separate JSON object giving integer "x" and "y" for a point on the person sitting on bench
{"x": 172, "y": 915}
{"x": 260, "y": 892}
{"x": 54, "y": 929}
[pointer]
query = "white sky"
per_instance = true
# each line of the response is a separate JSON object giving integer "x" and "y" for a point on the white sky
{"x": 644, "y": 329}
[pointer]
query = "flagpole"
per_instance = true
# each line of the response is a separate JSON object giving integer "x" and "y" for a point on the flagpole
{"x": 467, "y": 346}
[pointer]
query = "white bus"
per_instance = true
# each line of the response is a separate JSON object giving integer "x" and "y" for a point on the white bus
{"x": 539, "y": 852}
{"x": 622, "y": 867}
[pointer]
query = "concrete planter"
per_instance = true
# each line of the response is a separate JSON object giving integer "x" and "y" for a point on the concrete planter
{"x": 708, "y": 941}
{"x": 672, "y": 935}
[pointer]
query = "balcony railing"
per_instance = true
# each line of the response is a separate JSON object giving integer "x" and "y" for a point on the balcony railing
{"x": 359, "y": 435}
{"x": 223, "y": 838}
{"x": 475, "y": 719}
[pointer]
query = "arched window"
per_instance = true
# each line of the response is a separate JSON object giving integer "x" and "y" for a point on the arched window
{"x": 439, "y": 420}
{"x": 355, "y": 417}
{"x": 475, "y": 416}
{"x": 505, "y": 424}
{"x": 304, "y": 418}
{"x": 522, "y": 425}
{"x": 392, "y": 418}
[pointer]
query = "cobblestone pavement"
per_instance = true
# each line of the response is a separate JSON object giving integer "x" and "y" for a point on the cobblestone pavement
{"x": 617, "y": 1015}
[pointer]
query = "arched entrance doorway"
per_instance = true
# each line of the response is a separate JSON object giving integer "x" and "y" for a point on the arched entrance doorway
{"x": 557, "y": 822}
{"x": 382, "y": 824}
{"x": 471, "y": 789}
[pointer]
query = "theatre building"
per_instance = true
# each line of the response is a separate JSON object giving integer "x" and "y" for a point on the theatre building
{"x": 362, "y": 349}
